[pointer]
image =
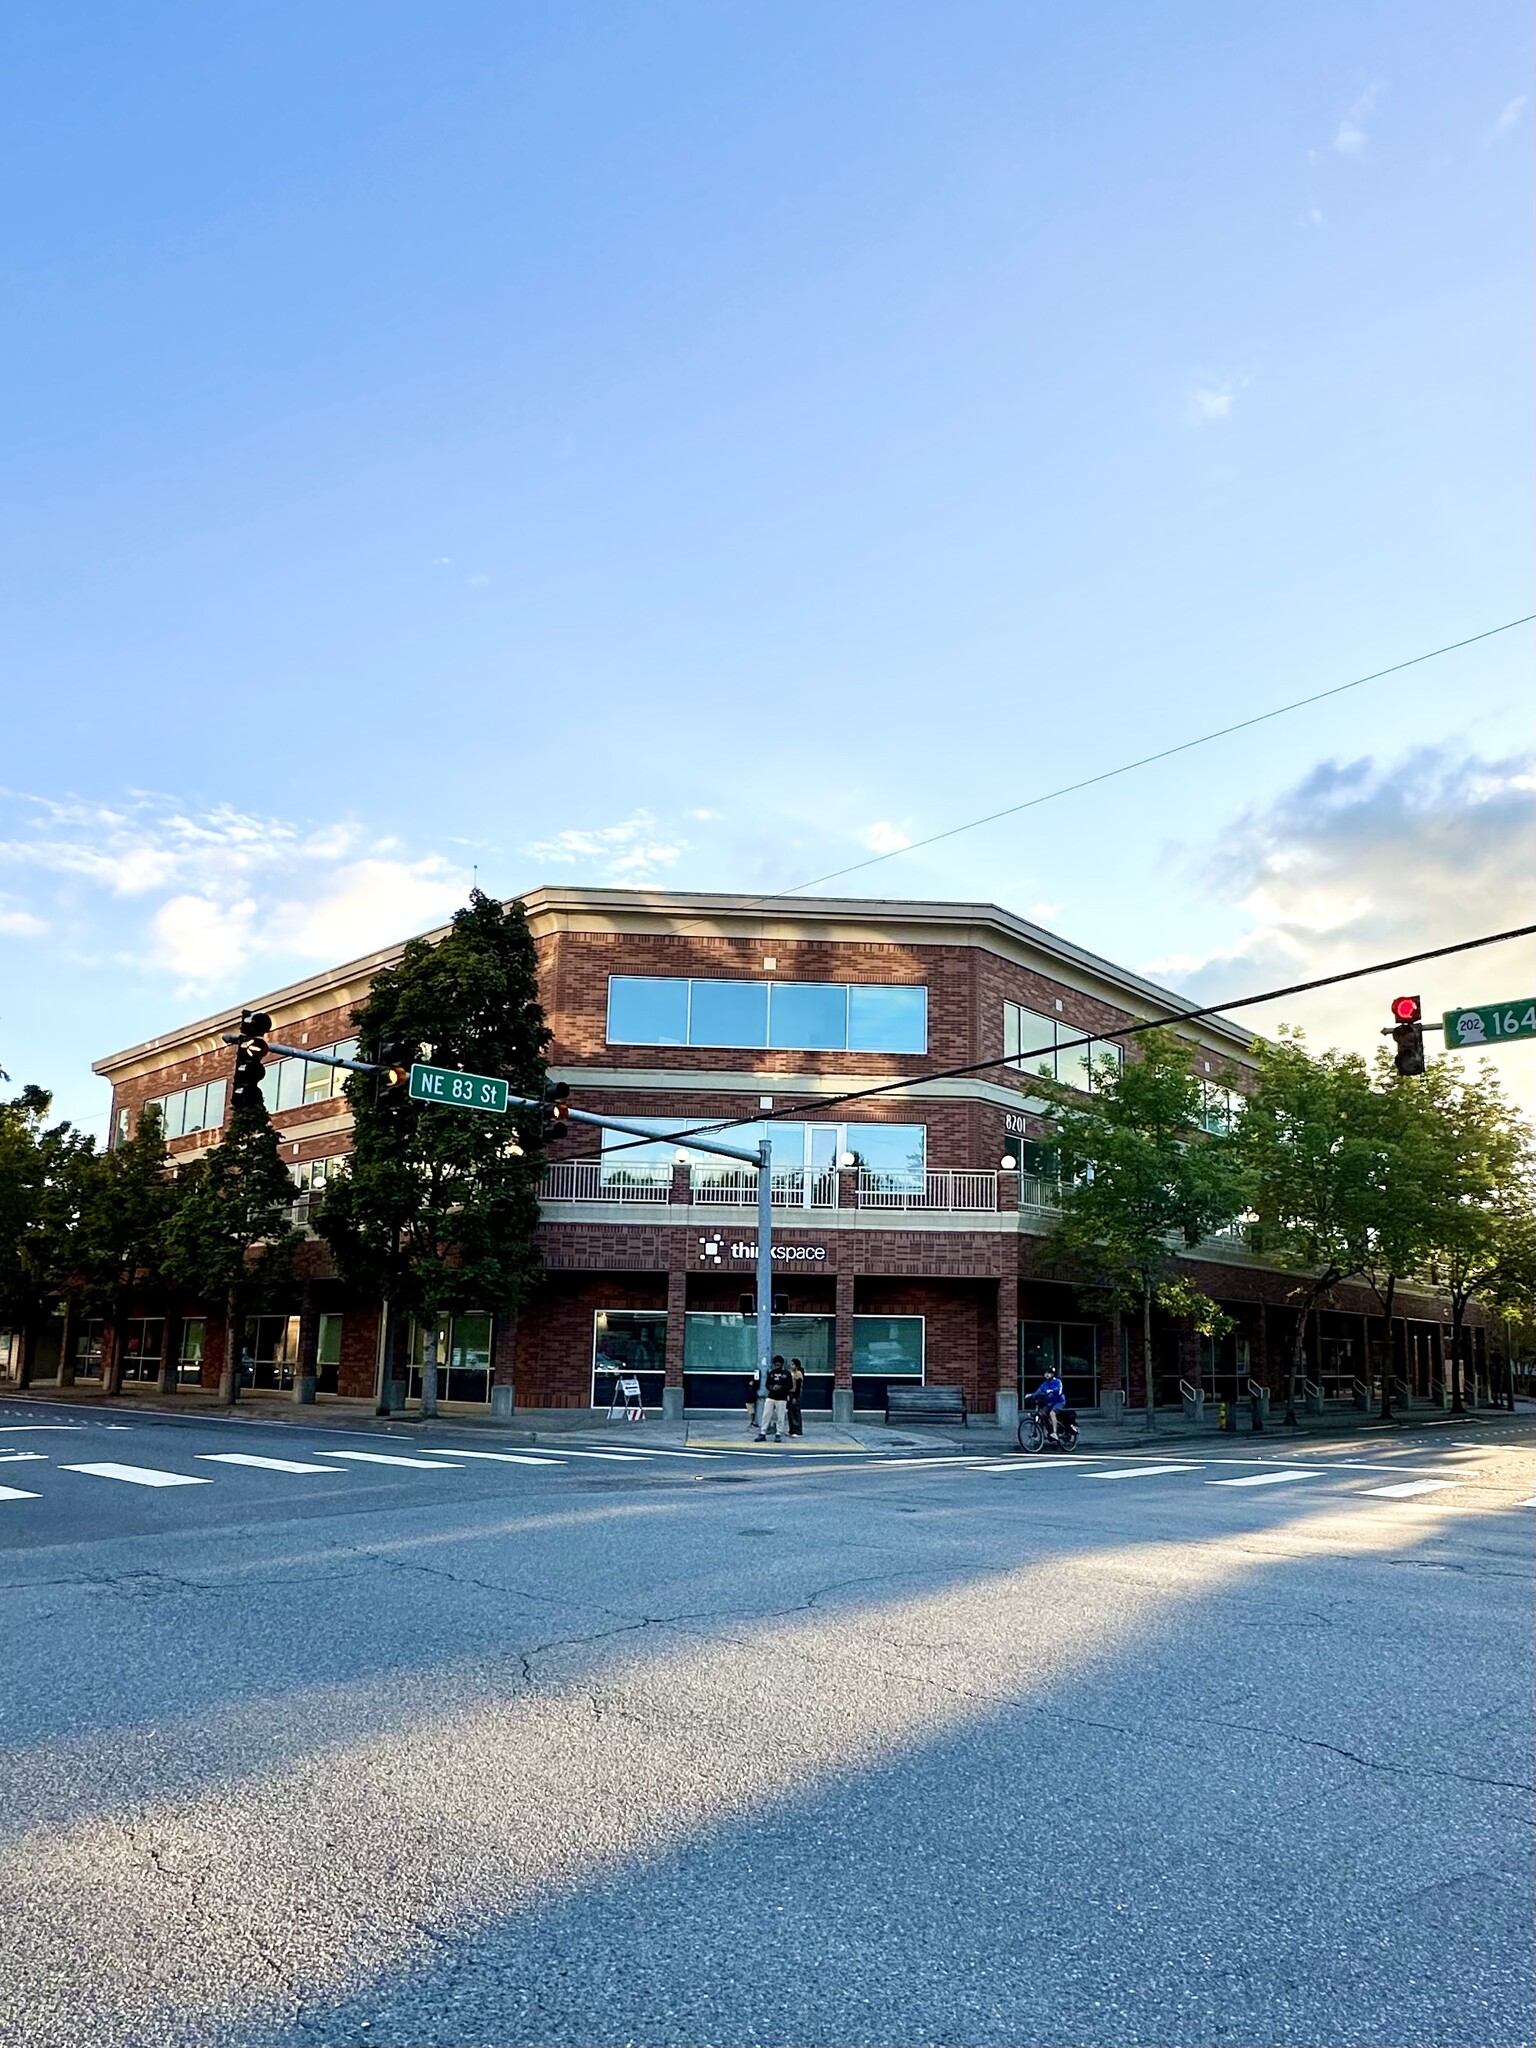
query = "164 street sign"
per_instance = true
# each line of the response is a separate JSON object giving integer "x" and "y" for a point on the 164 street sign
{"x": 1491, "y": 1023}
{"x": 458, "y": 1091}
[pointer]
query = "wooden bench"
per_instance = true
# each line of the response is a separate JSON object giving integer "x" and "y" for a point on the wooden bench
{"x": 925, "y": 1404}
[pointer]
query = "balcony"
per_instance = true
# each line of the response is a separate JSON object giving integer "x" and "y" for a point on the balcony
{"x": 944, "y": 1191}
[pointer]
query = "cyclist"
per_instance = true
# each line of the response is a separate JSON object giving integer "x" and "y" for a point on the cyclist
{"x": 1051, "y": 1396}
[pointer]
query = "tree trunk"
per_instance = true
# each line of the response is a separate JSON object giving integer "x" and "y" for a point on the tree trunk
{"x": 1148, "y": 1387}
{"x": 117, "y": 1343}
{"x": 231, "y": 1373}
{"x": 429, "y": 1366}
{"x": 1293, "y": 1369}
{"x": 1458, "y": 1313}
{"x": 170, "y": 1355}
{"x": 67, "y": 1344}
{"x": 309, "y": 1336}
{"x": 1386, "y": 1350}
{"x": 24, "y": 1358}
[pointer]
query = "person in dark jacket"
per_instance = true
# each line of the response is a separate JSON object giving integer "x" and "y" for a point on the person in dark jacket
{"x": 776, "y": 1403}
{"x": 796, "y": 1395}
{"x": 751, "y": 1390}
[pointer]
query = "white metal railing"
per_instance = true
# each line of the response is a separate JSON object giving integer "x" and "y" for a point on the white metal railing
{"x": 1035, "y": 1193}
{"x": 948, "y": 1188}
{"x": 796, "y": 1189}
{"x": 583, "y": 1180}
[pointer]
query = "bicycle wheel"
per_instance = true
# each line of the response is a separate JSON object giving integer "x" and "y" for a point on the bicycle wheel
{"x": 1031, "y": 1435}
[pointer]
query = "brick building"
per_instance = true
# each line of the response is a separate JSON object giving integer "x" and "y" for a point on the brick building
{"x": 909, "y": 1226}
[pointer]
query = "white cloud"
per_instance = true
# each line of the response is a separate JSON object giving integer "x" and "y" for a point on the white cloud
{"x": 1508, "y": 117}
{"x": 633, "y": 851}
{"x": 1365, "y": 861}
{"x": 1351, "y": 135}
{"x": 205, "y": 896}
{"x": 1214, "y": 397}
{"x": 884, "y": 837}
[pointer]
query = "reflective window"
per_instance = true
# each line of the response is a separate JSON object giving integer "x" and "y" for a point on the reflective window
{"x": 790, "y": 1016}
{"x": 1070, "y": 1349}
{"x": 1037, "y": 1044}
{"x": 896, "y": 1152}
{"x": 630, "y": 1341}
{"x": 887, "y": 1019}
{"x": 647, "y": 1012}
{"x": 728, "y": 1013}
{"x": 888, "y": 1347}
{"x": 291, "y": 1083}
{"x": 808, "y": 1016}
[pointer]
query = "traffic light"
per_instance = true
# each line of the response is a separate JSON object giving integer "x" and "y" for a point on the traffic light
{"x": 554, "y": 1112}
{"x": 394, "y": 1074}
{"x": 250, "y": 1059}
{"x": 1408, "y": 1030}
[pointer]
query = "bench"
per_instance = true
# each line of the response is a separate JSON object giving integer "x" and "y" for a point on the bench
{"x": 925, "y": 1404}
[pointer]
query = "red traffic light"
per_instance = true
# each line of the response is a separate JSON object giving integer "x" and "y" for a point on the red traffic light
{"x": 1406, "y": 1009}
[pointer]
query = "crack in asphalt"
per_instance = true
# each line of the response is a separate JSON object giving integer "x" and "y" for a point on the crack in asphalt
{"x": 1373, "y": 1763}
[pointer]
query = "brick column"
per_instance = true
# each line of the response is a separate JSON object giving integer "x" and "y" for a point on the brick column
{"x": 1112, "y": 1376}
{"x": 682, "y": 1184}
{"x": 677, "y": 1309}
{"x": 1008, "y": 1350}
{"x": 842, "y": 1348}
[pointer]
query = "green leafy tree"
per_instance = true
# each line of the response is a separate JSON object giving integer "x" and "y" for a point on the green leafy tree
{"x": 1482, "y": 1227}
{"x": 1314, "y": 1140}
{"x": 1397, "y": 1220}
{"x": 1142, "y": 1180}
{"x": 128, "y": 1199}
{"x": 439, "y": 1206}
{"x": 228, "y": 1236}
{"x": 43, "y": 1171}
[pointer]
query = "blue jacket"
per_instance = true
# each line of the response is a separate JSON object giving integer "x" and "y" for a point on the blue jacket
{"x": 1050, "y": 1392}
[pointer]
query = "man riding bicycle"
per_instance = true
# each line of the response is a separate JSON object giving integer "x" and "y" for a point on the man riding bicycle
{"x": 1051, "y": 1397}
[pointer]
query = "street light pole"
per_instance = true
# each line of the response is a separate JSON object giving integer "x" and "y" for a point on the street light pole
{"x": 764, "y": 1265}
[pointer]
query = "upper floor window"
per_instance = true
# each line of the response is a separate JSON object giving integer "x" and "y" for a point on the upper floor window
{"x": 289, "y": 1084}
{"x": 787, "y": 1016}
{"x": 1032, "y": 1042}
{"x": 190, "y": 1109}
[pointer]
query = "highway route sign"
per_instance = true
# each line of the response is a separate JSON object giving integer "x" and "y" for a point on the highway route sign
{"x": 1482, "y": 1024}
{"x": 458, "y": 1091}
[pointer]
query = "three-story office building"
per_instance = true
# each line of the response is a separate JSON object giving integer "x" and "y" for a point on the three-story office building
{"x": 888, "y": 1051}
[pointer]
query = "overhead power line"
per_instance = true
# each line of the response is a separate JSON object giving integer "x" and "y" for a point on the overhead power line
{"x": 1146, "y": 760}
{"x": 1015, "y": 1060}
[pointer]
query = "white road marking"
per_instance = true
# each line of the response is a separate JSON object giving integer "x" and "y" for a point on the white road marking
{"x": 1041, "y": 1464}
{"x": 497, "y": 1457}
{"x": 137, "y": 1475}
{"x": 613, "y": 1457}
{"x": 15, "y": 1493}
{"x": 1267, "y": 1479}
{"x": 35, "y": 1428}
{"x": 1142, "y": 1472}
{"x": 261, "y": 1464}
{"x": 1409, "y": 1488}
{"x": 386, "y": 1458}
{"x": 23, "y": 1457}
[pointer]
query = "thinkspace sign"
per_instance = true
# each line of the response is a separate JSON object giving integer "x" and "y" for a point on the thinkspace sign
{"x": 718, "y": 1251}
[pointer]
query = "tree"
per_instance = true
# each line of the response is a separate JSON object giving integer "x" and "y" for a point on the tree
{"x": 128, "y": 1199}
{"x": 1141, "y": 1180}
{"x": 1399, "y": 1222}
{"x": 1482, "y": 1229}
{"x": 228, "y": 1232}
{"x": 1313, "y": 1140}
{"x": 438, "y": 1207}
{"x": 42, "y": 1173}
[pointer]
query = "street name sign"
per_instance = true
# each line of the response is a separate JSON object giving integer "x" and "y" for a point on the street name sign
{"x": 456, "y": 1090}
{"x": 1491, "y": 1023}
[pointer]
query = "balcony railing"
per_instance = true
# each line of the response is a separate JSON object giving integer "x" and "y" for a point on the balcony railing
{"x": 952, "y": 1188}
{"x": 793, "y": 1190}
{"x": 583, "y": 1180}
{"x": 946, "y": 1191}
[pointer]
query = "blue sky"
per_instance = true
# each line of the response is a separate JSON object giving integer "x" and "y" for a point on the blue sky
{"x": 702, "y": 444}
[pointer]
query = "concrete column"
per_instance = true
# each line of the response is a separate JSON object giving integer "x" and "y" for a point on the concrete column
{"x": 677, "y": 1328}
{"x": 842, "y": 1344}
{"x": 1112, "y": 1370}
{"x": 1008, "y": 1351}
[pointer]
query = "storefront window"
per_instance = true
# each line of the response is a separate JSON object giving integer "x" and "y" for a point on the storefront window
{"x": 1071, "y": 1349}
{"x": 720, "y": 1350}
{"x": 270, "y": 1351}
{"x": 189, "y": 1365}
{"x": 143, "y": 1348}
{"x": 793, "y": 1016}
{"x": 463, "y": 1357}
{"x": 630, "y": 1341}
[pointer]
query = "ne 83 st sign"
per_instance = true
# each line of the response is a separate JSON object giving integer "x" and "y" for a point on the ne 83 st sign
{"x": 1491, "y": 1023}
{"x": 458, "y": 1091}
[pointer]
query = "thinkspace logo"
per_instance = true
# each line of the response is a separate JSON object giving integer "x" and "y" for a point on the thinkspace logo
{"x": 714, "y": 1251}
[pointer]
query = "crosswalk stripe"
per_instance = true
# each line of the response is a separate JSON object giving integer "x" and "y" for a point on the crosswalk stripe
{"x": 1142, "y": 1472}
{"x": 16, "y": 1493}
{"x": 1409, "y": 1487}
{"x": 1267, "y": 1479}
{"x": 1024, "y": 1465}
{"x": 387, "y": 1458}
{"x": 497, "y": 1457}
{"x": 613, "y": 1457}
{"x": 261, "y": 1464}
{"x": 137, "y": 1475}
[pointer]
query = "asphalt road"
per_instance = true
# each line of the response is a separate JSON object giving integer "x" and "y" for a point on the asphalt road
{"x": 765, "y": 1746}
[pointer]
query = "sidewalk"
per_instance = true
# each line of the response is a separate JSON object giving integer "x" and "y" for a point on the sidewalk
{"x": 724, "y": 1430}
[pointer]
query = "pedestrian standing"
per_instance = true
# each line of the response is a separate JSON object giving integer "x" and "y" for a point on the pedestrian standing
{"x": 796, "y": 1395}
{"x": 751, "y": 1390}
{"x": 776, "y": 1403}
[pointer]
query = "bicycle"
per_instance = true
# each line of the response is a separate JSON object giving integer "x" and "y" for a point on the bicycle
{"x": 1035, "y": 1429}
